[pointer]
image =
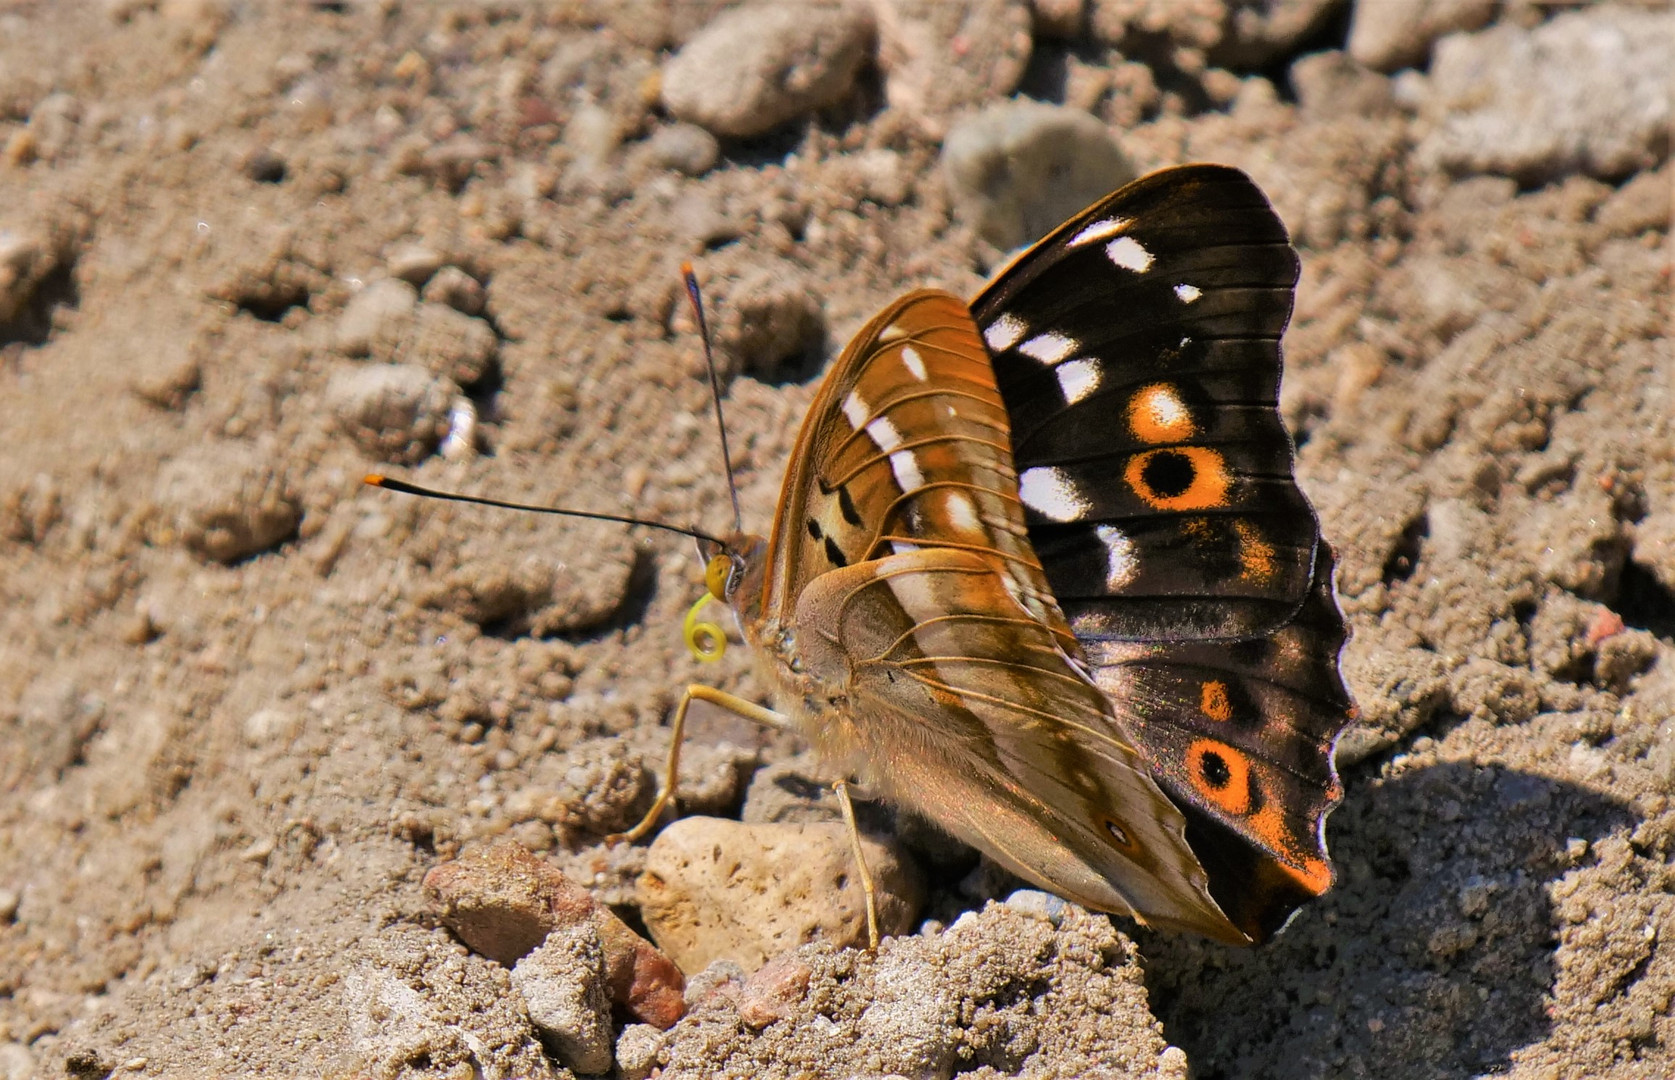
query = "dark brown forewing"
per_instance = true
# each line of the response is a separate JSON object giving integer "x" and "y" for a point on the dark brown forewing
{"x": 1137, "y": 351}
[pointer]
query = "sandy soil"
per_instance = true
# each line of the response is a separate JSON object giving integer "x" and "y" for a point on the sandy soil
{"x": 245, "y": 702}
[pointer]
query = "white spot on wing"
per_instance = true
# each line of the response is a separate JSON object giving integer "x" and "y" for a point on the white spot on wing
{"x": 1078, "y": 378}
{"x": 1052, "y": 494}
{"x": 1126, "y": 252}
{"x": 1188, "y": 293}
{"x": 1049, "y": 348}
{"x": 1005, "y": 332}
{"x": 1099, "y": 230}
{"x": 1122, "y": 562}
{"x": 915, "y": 363}
{"x": 855, "y": 410}
{"x": 906, "y": 468}
{"x": 1168, "y": 411}
{"x": 962, "y": 512}
{"x": 884, "y": 434}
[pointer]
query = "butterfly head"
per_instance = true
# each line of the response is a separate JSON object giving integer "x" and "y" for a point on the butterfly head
{"x": 733, "y": 568}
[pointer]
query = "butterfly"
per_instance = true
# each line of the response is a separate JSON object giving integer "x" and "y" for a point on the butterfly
{"x": 1042, "y": 574}
{"x": 1041, "y": 571}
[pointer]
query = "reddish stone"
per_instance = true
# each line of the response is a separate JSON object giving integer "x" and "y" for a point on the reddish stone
{"x": 502, "y": 901}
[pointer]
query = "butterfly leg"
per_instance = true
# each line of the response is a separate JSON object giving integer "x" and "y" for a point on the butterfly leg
{"x": 677, "y": 733}
{"x": 867, "y": 889}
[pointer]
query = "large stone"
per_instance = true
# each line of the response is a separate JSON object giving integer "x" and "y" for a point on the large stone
{"x": 756, "y": 67}
{"x": 1018, "y": 169}
{"x": 563, "y": 986}
{"x": 1601, "y": 106}
{"x": 1386, "y": 36}
{"x": 718, "y": 889}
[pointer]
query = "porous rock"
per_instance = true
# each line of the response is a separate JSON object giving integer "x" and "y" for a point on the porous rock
{"x": 717, "y": 889}
{"x": 756, "y": 67}
{"x": 503, "y": 901}
{"x": 1018, "y": 169}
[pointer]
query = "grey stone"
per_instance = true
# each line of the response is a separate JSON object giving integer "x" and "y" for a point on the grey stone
{"x": 1600, "y": 106}
{"x": 927, "y": 79}
{"x": 638, "y": 1051}
{"x": 685, "y": 148}
{"x": 563, "y": 986}
{"x": 756, "y": 67}
{"x": 1018, "y": 169}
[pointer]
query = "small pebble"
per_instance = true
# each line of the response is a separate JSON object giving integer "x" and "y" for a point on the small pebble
{"x": 773, "y": 318}
{"x": 772, "y": 992}
{"x": 457, "y": 289}
{"x": 1602, "y": 106}
{"x": 393, "y": 412}
{"x": 685, "y": 148}
{"x": 378, "y": 313}
{"x": 228, "y": 501}
{"x": 503, "y": 901}
{"x": 414, "y": 263}
{"x": 756, "y": 67}
{"x": 638, "y": 1051}
{"x": 451, "y": 344}
{"x": 1041, "y": 905}
{"x": 1018, "y": 169}
{"x": 1386, "y": 36}
{"x": 562, "y": 981}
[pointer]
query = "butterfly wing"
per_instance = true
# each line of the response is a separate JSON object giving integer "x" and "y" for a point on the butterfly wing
{"x": 1137, "y": 350}
{"x": 903, "y": 570}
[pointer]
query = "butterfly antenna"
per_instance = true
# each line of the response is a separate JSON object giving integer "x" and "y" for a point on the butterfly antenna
{"x": 405, "y": 488}
{"x": 697, "y": 299}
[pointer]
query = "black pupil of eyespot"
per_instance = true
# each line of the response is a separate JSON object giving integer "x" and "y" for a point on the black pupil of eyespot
{"x": 1168, "y": 474}
{"x": 1214, "y": 770}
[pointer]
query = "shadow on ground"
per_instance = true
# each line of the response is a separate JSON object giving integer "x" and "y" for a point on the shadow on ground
{"x": 1433, "y": 956}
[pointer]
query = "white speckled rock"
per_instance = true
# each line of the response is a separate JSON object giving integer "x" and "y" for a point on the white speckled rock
{"x": 719, "y": 889}
{"x": 756, "y": 67}
{"x": 563, "y": 984}
{"x": 1018, "y": 169}
{"x": 1601, "y": 105}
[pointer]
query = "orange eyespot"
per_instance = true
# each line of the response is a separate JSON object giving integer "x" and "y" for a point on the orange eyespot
{"x": 716, "y": 573}
{"x": 1220, "y": 774}
{"x": 1179, "y": 478}
{"x": 1213, "y": 701}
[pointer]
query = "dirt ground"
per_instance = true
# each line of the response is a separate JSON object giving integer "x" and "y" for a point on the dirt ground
{"x": 245, "y": 702}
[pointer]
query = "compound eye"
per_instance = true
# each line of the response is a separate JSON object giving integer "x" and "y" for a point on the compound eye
{"x": 721, "y": 576}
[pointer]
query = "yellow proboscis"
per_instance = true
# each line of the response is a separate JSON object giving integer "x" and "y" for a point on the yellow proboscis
{"x": 706, "y": 639}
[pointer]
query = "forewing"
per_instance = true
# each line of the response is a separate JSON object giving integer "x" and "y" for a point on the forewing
{"x": 1137, "y": 352}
